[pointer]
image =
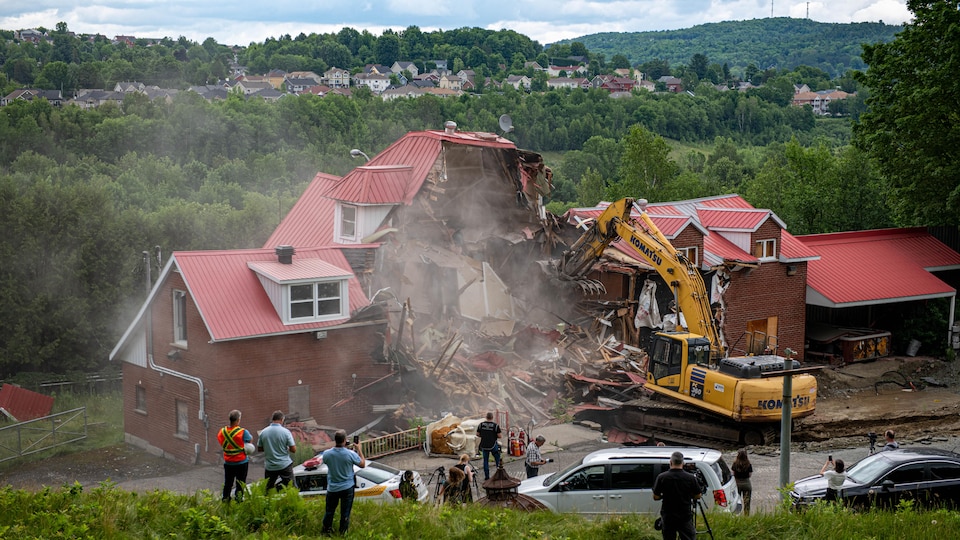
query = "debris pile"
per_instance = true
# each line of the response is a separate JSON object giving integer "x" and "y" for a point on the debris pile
{"x": 540, "y": 375}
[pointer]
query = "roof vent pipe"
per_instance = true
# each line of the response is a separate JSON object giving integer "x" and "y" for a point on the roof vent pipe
{"x": 284, "y": 254}
{"x": 450, "y": 127}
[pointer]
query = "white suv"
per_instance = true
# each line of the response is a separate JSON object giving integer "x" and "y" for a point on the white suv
{"x": 620, "y": 481}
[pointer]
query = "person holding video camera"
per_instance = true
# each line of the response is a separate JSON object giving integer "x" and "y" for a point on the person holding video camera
{"x": 679, "y": 490}
{"x": 340, "y": 479}
{"x": 534, "y": 459}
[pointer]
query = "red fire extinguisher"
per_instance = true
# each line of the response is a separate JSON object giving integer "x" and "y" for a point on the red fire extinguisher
{"x": 513, "y": 443}
{"x": 522, "y": 437}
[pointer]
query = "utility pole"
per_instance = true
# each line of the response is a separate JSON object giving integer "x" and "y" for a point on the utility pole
{"x": 786, "y": 420}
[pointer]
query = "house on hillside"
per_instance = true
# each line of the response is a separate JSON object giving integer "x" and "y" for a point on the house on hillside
{"x": 29, "y": 94}
{"x": 399, "y": 67}
{"x": 276, "y": 77}
{"x": 317, "y": 79}
{"x": 520, "y": 82}
{"x": 569, "y": 70}
{"x": 450, "y": 82}
{"x": 376, "y": 82}
{"x": 819, "y": 101}
{"x": 336, "y": 78}
{"x": 673, "y": 84}
{"x": 258, "y": 330}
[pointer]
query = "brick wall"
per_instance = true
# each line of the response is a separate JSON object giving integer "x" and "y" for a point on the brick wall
{"x": 766, "y": 292}
{"x": 253, "y": 375}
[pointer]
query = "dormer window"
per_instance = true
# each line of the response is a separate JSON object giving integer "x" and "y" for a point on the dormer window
{"x": 304, "y": 290}
{"x": 348, "y": 221}
{"x": 317, "y": 301}
{"x": 765, "y": 249}
{"x": 691, "y": 253}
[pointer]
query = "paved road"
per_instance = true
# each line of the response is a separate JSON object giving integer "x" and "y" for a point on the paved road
{"x": 567, "y": 443}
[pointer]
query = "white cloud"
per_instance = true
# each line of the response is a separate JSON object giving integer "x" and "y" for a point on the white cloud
{"x": 245, "y": 21}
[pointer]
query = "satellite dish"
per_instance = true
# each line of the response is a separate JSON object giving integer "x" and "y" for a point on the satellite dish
{"x": 506, "y": 123}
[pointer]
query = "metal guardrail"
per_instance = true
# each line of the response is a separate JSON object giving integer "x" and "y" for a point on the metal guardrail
{"x": 393, "y": 443}
{"x": 32, "y": 436}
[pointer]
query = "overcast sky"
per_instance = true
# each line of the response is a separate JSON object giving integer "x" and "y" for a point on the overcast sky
{"x": 240, "y": 22}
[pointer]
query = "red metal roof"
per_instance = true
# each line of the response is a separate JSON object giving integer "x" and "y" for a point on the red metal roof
{"x": 737, "y": 219}
{"x": 376, "y": 184}
{"x": 420, "y": 150}
{"x": 393, "y": 176}
{"x": 792, "y": 249}
{"x": 876, "y": 267}
{"x": 231, "y": 299}
{"x": 724, "y": 201}
{"x": 298, "y": 269}
{"x": 719, "y": 249}
{"x": 310, "y": 222}
{"x": 24, "y": 404}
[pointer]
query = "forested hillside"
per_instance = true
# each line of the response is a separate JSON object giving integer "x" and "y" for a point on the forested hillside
{"x": 780, "y": 42}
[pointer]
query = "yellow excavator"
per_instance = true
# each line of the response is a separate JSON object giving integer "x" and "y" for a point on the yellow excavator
{"x": 712, "y": 396}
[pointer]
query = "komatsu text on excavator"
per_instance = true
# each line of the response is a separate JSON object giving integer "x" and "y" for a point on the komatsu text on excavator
{"x": 731, "y": 399}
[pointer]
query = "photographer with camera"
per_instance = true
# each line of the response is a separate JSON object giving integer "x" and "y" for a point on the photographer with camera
{"x": 534, "y": 459}
{"x": 679, "y": 491}
{"x": 340, "y": 479}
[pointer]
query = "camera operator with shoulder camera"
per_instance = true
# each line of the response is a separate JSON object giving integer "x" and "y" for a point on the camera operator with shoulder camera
{"x": 534, "y": 459}
{"x": 679, "y": 491}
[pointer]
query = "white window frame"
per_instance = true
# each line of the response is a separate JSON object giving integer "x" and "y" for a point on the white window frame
{"x": 182, "y": 411}
{"x": 344, "y": 221}
{"x": 180, "y": 318}
{"x": 764, "y": 247}
{"x": 316, "y": 301}
{"x": 141, "y": 400}
{"x": 692, "y": 254}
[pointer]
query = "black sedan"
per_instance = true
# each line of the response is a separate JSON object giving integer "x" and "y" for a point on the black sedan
{"x": 927, "y": 476}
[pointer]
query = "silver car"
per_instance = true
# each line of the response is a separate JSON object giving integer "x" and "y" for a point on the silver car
{"x": 375, "y": 482}
{"x": 620, "y": 481}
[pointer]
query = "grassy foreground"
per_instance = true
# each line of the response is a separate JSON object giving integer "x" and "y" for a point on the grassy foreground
{"x": 108, "y": 512}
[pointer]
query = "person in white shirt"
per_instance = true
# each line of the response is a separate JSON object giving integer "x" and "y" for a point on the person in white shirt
{"x": 835, "y": 478}
{"x": 534, "y": 459}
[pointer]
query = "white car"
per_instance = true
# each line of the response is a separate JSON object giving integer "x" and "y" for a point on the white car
{"x": 620, "y": 481}
{"x": 375, "y": 482}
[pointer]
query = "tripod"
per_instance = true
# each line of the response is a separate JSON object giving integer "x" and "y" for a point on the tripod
{"x": 440, "y": 475}
{"x": 703, "y": 513}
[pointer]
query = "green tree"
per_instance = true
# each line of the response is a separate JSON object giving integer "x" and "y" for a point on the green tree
{"x": 645, "y": 167}
{"x": 619, "y": 61}
{"x": 912, "y": 126}
{"x": 388, "y": 48}
{"x": 591, "y": 188}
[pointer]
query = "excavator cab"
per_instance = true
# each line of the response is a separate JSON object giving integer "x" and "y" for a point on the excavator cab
{"x": 671, "y": 353}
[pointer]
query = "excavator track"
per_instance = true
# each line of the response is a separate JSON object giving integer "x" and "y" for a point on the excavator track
{"x": 681, "y": 423}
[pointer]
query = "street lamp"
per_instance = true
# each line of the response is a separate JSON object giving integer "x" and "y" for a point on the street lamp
{"x": 357, "y": 153}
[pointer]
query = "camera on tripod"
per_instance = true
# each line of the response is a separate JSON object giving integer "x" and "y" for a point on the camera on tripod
{"x": 873, "y": 441}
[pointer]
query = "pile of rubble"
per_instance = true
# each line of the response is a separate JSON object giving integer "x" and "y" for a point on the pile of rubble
{"x": 541, "y": 376}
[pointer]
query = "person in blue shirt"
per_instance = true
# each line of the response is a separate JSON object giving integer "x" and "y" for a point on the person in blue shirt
{"x": 277, "y": 444}
{"x": 340, "y": 480}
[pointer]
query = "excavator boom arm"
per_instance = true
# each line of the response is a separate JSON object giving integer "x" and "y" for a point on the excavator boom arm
{"x": 676, "y": 270}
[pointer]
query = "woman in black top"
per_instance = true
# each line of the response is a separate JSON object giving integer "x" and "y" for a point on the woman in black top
{"x": 742, "y": 469}
{"x": 465, "y": 488}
